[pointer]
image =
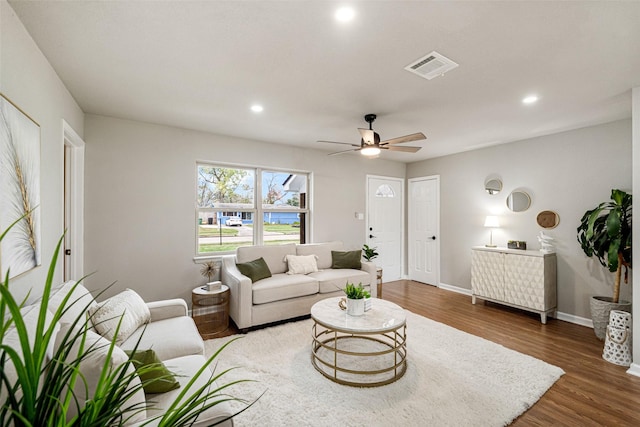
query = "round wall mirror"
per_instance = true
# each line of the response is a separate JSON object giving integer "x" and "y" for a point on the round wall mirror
{"x": 493, "y": 186}
{"x": 548, "y": 219}
{"x": 518, "y": 201}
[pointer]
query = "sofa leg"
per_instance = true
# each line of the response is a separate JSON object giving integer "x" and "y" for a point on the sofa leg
{"x": 244, "y": 331}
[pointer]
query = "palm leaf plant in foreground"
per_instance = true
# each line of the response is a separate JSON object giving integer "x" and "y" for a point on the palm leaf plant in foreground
{"x": 38, "y": 390}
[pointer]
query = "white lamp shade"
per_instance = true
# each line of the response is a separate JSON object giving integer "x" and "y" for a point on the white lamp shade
{"x": 492, "y": 222}
{"x": 370, "y": 151}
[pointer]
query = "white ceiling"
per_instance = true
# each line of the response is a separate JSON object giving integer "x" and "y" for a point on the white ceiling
{"x": 201, "y": 65}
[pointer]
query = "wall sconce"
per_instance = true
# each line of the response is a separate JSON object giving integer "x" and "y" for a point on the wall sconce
{"x": 491, "y": 222}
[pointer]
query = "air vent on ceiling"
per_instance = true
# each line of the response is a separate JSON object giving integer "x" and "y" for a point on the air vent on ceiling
{"x": 431, "y": 65}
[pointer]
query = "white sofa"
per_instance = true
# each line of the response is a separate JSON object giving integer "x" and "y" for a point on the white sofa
{"x": 285, "y": 296}
{"x": 171, "y": 333}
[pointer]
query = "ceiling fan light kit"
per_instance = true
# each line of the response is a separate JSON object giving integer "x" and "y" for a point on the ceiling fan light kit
{"x": 370, "y": 151}
{"x": 371, "y": 146}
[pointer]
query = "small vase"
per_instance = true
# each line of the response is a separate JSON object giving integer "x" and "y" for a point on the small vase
{"x": 355, "y": 307}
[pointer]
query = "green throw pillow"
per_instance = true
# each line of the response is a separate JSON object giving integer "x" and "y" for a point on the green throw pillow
{"x": 349, "y": 259}
{"x": 155, "y": 377}
{"x": 255, "y": 270}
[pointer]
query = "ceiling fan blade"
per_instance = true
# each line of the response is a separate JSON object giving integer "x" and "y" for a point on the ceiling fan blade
{"x": 405, "y": 149}
{"x": 368, "y": 136}
{"x": 407, "y": 138}
{"x": 342, "y": 152}
{"x": 342, "y": 143}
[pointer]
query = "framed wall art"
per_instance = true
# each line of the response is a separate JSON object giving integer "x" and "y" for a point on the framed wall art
{"x": 19, "y": 189}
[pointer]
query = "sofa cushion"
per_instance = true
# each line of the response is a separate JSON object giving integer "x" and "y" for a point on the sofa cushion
{"x": 272, "y": 254}
{"x": 128, "y": 306}
{"x": 255, "y": 270}
{"x": 283, "y": 286}
{"x": 78, "y": 303}
{"x": 96, "y": 350}
{"x": 184, "y": 338}
{"x": 301, "y": 264}
{"x": 321, "y": 250}
{"x": 350, "y": 259}
{"x": 333, "y": 280}
{"x": 185, "y": 369}
{"x": 11, "y": 338}
{"x": 155, "y": 376}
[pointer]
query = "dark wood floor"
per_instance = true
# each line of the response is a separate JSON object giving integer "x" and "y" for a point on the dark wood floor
{"x": 592, "y": 392}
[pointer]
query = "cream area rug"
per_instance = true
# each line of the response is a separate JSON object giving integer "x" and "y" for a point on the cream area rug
{"x": 452, "y": 379}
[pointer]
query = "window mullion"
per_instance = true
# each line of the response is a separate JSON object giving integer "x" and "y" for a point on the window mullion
{"x": 258, "y": 222}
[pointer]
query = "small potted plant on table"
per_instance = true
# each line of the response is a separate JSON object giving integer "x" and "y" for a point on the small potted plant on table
{"x": 356, "y": 299}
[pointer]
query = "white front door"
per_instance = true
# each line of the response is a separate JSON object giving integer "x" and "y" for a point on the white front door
{"x": 423, "y": 234}
{"x": 385, "y": 213}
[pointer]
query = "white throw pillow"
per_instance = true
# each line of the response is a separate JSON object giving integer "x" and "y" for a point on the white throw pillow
{"x": 301, "y": 264}
{"x": 127, "y": 305}
{"x": 79, "y": 302}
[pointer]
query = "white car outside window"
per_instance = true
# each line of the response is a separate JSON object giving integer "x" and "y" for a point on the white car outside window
{"x": 233, "y": 221}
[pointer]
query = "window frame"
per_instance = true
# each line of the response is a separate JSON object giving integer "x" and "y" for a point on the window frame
{"x": 258, "y": 210}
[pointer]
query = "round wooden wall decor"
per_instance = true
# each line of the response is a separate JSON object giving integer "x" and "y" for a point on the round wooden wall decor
{"x": 548, "y": 219}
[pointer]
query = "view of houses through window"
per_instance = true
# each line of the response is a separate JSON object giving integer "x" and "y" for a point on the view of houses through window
{"x": 239, "y": 206}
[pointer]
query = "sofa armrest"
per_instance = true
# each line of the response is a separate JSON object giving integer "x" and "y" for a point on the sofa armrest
{"x": 370, "y": 268}
{"x": 166, "y": 309}
{"x": 240, "y": 299}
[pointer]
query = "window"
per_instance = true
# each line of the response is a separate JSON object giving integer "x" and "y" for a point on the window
{"x": 238, "y": 206}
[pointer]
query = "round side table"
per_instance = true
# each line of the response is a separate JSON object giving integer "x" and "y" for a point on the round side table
{"x": 210, "y": 310}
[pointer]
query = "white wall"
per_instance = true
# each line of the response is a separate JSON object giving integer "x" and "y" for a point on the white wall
{"x": 27, "y": 79}
{"x": 635, "y": 367}
{"x": 568, "y": 172}
{"x": 140, "y": 199}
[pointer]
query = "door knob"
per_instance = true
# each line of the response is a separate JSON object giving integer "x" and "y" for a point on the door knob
{"x": 371, "y": 236}
{"x": 433, "y": 237}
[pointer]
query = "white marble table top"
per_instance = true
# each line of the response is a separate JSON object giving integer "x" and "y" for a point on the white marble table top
{"x": 384, "y": 316}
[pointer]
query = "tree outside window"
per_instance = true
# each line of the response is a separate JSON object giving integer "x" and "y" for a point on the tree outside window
{"x": 245, "y": 206}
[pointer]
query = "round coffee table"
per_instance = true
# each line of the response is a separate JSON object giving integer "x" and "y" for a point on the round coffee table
{"x": 363, "y": 351}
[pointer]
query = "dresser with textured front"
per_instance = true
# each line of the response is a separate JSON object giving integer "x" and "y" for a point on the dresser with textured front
{"x": 517, "y": 278}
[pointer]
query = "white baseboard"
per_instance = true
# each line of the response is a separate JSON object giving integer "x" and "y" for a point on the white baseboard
{"x": 558, "y": 315}
{"x": 634, "y": 369}
{"x": 457, "y": 289}
{"x": 582, "y": 321}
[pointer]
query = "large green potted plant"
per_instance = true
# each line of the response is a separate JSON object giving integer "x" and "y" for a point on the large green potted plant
{"x": 605, "y": 233}
{"x": 37, "y": 390}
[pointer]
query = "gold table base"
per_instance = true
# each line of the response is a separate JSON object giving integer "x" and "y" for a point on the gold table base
{"x": 331, "y": 361}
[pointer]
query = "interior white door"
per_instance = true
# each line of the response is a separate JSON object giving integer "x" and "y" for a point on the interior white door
{"x": 73, "y": 204}
{"x": 385, "y": 213}
{"x": 423, "y": 234}
{"x": 67, "y": 213}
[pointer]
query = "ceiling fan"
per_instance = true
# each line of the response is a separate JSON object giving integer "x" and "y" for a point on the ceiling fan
{"x": 370, "y": 144}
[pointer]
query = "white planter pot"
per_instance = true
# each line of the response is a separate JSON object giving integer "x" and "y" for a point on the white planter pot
{"x": 600, "y": 309}
{"x": 355, "y": 307}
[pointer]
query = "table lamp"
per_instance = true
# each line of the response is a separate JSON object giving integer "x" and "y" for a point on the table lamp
{"x": 491, "y": 222}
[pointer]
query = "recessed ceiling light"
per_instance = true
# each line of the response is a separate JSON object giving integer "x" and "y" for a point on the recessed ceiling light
{"x": 257, "y": 108}
{"x": 530, "y": 99}
{"x": 345, "y": 14}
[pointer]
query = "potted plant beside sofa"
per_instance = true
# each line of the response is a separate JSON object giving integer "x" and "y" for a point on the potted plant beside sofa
{"x": 369, "y": 253}
{"x": 605, "y": 232}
